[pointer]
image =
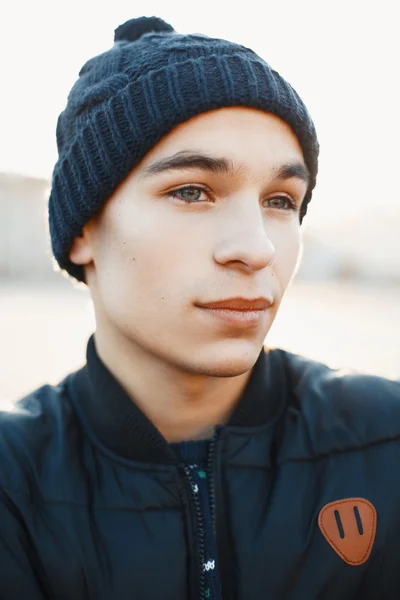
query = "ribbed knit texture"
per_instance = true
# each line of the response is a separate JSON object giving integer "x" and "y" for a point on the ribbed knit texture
{"x": 129, "y": 97}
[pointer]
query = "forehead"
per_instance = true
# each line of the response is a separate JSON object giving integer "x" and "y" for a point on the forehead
{"x": 244, "y": 135}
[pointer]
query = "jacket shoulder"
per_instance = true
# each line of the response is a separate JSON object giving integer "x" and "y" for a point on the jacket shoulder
{"x": 34, "y": 430}
{"x": 334, "y": 410}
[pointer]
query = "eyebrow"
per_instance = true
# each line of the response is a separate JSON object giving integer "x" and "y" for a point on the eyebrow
{"x": 186, "y": 160}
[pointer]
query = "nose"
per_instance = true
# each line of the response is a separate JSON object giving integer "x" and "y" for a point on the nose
{"x": 246, "y": 245}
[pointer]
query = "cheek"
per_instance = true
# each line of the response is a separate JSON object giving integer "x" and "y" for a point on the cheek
{"x": 144, "y": 254}
{"x": 287, "y": 248}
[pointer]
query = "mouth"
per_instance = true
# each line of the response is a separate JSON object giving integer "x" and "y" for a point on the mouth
{"x": 238, "y": 312}
{"x": 238, "y": 304}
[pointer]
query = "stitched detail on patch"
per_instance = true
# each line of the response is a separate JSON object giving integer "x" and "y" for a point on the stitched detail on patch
{"x": 349, "y": 526}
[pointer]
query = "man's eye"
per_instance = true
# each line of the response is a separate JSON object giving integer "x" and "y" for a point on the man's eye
{"x": 283, "y": 202}
{"x": 189, "y": 194}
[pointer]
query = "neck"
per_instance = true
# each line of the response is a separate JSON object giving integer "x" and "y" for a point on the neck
{"x": 181, "y": 405}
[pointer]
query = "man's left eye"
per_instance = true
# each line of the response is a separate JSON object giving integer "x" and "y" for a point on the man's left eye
{"x": 283, "y": 202}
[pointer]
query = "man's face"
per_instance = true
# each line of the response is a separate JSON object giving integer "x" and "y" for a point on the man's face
{"x": 172, "y": 238}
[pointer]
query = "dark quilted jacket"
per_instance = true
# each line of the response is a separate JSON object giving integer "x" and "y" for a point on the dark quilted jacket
{"x": 95, "y": 505}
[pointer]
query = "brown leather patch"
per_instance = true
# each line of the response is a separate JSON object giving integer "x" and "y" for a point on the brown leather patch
{"x": 349, "y": 526}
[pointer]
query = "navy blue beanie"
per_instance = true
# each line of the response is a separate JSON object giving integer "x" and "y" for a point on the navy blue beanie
{"x": 129, "y": 97}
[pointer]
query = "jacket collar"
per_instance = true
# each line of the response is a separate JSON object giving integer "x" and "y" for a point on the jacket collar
{"x": 123, "y": 428}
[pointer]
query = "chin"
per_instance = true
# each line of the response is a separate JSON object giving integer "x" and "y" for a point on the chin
{"x": 230, "y": 358}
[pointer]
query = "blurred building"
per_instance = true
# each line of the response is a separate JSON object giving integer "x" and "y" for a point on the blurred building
{"x": 361, "y": 247}
{"x": 24, "y": 242}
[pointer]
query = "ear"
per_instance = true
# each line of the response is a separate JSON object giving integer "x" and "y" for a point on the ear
{"x": 81, "y": 252}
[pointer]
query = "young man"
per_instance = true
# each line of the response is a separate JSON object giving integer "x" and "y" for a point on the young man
{"x": 184, "y": 460}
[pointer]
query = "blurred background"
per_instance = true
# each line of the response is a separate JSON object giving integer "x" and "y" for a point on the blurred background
{"x": 343, "y": 308}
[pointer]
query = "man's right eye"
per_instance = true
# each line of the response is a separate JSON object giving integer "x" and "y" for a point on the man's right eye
{"x": 190, "y": 194}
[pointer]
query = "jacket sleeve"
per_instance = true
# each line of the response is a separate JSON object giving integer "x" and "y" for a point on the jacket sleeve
{"x": 18, "y": 576}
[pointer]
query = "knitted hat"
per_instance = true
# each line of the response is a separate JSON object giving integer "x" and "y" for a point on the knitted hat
{"x": 128, "y": 98}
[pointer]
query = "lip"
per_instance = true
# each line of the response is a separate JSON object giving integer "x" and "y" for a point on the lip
{"x": 238, "y": 312}
{"x": 237, "y": 319}
{"x": 238, "y": 304}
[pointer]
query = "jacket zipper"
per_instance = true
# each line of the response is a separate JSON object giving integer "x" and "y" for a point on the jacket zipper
{"x": 199, "y": 531}
{"x": 223, "y": 543}
{"x": 212, "y": 469}
{"x": 211, "y": 476}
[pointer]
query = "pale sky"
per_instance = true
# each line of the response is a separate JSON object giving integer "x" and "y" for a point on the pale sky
{"x": 342, "y": 57}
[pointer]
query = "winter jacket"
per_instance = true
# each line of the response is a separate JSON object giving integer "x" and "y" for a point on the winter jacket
{"x": 304, "y": 486}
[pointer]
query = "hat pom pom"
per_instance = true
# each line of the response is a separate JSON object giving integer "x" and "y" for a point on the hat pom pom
{"x": 134, "y": 28}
